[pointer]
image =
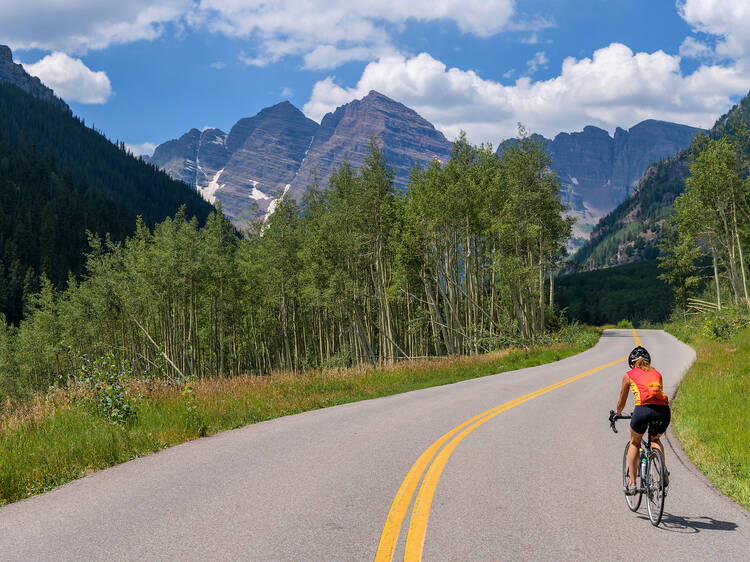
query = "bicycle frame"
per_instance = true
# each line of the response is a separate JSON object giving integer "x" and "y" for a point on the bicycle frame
{"x": 656, "y": 494}
{"x": 643, "y": 453}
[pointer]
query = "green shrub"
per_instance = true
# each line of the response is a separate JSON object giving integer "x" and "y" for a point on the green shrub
{"x": 110, "y": 383}
{"x": 717, "y": 383}
{"x": 8, "y": 368}
{"x": 195, "y": 419}
{"x": 723, "y": 325}
{"x": 341, "y": 360}
{"x": 625, "y": 324}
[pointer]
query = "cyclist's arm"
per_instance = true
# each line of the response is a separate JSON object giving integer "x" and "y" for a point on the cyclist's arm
{"x": 623, "y": 394}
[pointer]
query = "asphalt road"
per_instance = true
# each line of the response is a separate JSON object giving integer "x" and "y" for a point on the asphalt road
{"x": 539, "y": 480}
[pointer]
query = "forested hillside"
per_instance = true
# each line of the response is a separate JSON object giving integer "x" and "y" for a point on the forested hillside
{"x": 58, "y": 179}
{"x": 605, "y": 296}
{"x": 632, "y": 230}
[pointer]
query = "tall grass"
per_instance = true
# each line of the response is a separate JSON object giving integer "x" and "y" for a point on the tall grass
{"x": 711, "y": 412}
{"x": 59, "y": 437}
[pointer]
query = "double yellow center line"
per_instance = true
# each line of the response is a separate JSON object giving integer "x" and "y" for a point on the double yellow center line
{"x": 421, "y": 510}
{"x": 637, "y": 339}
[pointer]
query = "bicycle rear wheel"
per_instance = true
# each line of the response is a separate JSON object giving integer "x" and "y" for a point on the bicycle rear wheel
{"x": 655, "y": 486}
{"x": 634, "y": 502}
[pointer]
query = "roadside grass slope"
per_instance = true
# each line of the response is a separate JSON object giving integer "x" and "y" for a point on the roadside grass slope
{"x": 58, "y": 437}
{"x": 711, "y": 412}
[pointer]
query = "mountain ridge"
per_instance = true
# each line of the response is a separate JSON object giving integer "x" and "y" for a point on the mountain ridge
{"x": 280, "y": 151}
{"x": 631, "y": 231}
{"x": 12, "y": 73}
{"x": 598, "y": 171}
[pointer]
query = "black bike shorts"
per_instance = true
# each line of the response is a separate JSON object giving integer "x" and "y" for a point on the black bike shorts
{"x": 651, "y": 416}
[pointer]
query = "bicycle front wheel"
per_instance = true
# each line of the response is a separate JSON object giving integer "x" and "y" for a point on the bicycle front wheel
{"x": 655, "y": 486}
{"x": 634, "y": 502}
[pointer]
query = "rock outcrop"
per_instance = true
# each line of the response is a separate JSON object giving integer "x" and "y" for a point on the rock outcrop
{"x": 194, "y": 158}
{"x": 14, "y": 74}
{"x": 265, "y": 154}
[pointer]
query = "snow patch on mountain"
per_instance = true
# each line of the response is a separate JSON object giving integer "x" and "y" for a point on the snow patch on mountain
{"x": 209, "y": 192}
{"x": 272, "y": 205}
{"x": 257, "y": 194}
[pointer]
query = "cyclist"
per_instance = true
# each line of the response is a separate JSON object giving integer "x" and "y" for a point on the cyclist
{"x": 651, "y": 409}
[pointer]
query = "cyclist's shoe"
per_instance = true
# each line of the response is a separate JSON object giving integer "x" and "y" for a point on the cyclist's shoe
{"x": 631, "y": 490}
{"x": 666, "y": 478}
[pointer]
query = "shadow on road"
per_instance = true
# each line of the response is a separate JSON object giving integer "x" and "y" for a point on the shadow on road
{"x": 615, "y": 333}
{"x": 678, "y": 524}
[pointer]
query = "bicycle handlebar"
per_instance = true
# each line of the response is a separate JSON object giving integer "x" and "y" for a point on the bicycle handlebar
{"x": 614, "y": 417}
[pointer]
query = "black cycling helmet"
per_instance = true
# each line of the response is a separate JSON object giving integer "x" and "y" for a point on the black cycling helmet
{"x": 638, "y": 353}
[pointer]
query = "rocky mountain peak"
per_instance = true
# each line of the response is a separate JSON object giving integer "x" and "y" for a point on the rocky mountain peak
{"x": 614, "y": 240}
{"x": 282, "y": 109}
{"x": 15, "y": 74}
{"x": 407, "y": 140}
{"x": 593, "y": 130}
{"x": 373, "y": 96}
{"x": 375, "y": 101}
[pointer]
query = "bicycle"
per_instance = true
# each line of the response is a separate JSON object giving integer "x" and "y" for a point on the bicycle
{"x": 650, "y": 477}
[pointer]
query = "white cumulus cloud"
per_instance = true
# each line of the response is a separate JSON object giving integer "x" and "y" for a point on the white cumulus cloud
{"x": 143, "y": 149}
{"x": 727, "y": 19}
{"x": 328, "y": 33}
{"x": 75, "y": 26}
{"x": 325, "y": 33}
{"x": 71, "y": 79}
{"x": 614, "y": 87}
{"x": 694, "y": 49}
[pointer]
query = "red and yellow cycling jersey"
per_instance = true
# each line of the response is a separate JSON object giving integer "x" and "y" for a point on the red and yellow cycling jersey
{"x": 647, "y": 387}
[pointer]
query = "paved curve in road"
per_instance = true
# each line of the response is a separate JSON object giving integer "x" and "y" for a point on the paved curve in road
{"x": 539, "y": 480}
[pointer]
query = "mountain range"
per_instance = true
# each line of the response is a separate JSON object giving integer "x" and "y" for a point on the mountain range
{"x": 631, "y": 231}
{"x": 280, "y": 151}
{"x": 598, "y": 171}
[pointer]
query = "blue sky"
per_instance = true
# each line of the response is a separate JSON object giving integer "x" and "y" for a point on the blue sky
{"x": 144, "y": 72}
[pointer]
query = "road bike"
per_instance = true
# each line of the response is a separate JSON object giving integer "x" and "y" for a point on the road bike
{"x": 650, "y": 478}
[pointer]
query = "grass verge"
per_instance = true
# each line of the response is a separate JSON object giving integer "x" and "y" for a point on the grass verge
{"x": 711, "y": 412}
{"x": 59, "y": 438}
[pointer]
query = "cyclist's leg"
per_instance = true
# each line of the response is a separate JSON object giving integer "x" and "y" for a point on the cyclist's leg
{"x": 656, "y": 444}
{"x": 657, "y": 428}
{"x": 638, "y": 426}
{"x": 633, "y": 454}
